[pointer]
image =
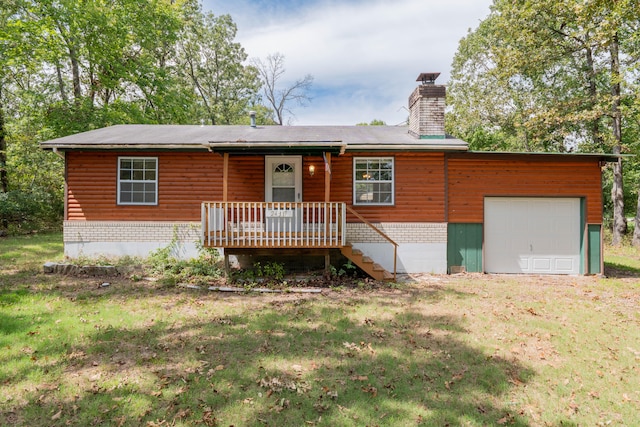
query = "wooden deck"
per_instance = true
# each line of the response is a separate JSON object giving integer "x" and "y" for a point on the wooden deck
{"x": 273, "y": 225}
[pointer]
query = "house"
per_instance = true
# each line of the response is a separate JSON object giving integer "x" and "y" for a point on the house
{"x": 391, "y": 198}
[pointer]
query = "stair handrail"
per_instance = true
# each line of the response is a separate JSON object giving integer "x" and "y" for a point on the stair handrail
{"x": 380, "y": 232}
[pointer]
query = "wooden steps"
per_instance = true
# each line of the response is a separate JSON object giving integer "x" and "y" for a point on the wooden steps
{"x": 367, "y": 265}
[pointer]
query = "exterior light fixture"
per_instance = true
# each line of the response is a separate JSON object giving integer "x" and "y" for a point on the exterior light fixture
{"x": 312, "y": 170}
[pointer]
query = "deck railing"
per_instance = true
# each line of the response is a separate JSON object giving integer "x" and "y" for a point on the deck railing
{"x": 273, "y": 224}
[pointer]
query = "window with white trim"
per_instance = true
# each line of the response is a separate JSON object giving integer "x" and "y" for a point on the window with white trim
{"x": 137, "y": 180}
{"x": 373, "y": 181}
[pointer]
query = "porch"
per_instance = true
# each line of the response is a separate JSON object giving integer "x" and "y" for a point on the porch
{"x": 310, "y": 226}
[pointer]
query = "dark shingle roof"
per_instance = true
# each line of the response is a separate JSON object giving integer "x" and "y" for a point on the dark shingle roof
{"x": 247, "y": 138}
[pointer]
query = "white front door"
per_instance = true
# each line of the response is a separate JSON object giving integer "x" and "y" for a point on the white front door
{"x": 283, "y": 179}
{"x": 283, "y": 183}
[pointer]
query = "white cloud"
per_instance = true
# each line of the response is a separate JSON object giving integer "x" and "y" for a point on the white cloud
{"x": 364, "y": 56}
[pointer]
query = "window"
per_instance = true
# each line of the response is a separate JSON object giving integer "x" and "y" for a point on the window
{"x": 373, "y": 181}
{"x": 137, "y": 180}
{"x": 283, "y": 185}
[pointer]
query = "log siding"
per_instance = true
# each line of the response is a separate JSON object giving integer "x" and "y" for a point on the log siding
{"x": 471, "y": 178}
{"x": 184, "y": 181}
{"x": 428, "y": 189}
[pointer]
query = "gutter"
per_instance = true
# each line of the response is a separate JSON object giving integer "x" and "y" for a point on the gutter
{"x": 57, "y": 147}
{"x": 406, "y": 147}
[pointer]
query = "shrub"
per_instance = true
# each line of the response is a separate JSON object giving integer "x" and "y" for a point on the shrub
{"x": 164, "y": 262}
{"x": 22, "y": 212}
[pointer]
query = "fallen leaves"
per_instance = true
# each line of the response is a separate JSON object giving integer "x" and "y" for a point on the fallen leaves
{"x": 531, "y": 311}
{"x": 353, "y": 348}
{"x": 279, "y": 384}
{"x": 370, "y": 390}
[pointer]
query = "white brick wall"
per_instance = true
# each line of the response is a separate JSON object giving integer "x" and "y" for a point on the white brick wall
{"x": 130, "y": 231}
{"x": 400, "y": 232}
{"x": 135, "y": 238}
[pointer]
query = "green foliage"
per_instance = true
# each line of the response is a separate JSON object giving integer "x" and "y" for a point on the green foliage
{"x": 26, "y": 212}
{"x": 374, "y": 122}
{"x": 538, "y": 75}
{"x": 165, "y": 263}
{"x": 348, "y": 269}
{"x": 213, "y": 64}
{"x": 269, "y": 272}
{"x": 555, "y": 76}
{"x": 68, "y": 67}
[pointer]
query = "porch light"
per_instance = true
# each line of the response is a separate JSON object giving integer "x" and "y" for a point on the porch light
{"x": 312, "y": 170}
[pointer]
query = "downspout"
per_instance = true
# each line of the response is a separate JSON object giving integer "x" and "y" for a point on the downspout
{"x": 59, "y": 154}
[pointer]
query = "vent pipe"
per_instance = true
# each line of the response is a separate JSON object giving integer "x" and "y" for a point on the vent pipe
{"x": 252, "y": 115}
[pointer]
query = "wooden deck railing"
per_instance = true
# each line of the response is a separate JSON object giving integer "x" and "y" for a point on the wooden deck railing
{"x": 273, "y": 224}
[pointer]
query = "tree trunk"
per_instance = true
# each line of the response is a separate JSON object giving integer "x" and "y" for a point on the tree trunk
{"x": 61, "y": 88}
{"x": 75, "y": 72}
{"x": 636, "y": 230}
{"x": 593, "y": 94}
{"x": 617, "y": 193}
{"x": 4, "y": 180}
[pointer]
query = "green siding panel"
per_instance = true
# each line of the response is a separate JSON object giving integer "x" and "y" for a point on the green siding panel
{"x": 583, "y": 216}
{"x": 464, "y": 247}
{"x": 595, "y": 255}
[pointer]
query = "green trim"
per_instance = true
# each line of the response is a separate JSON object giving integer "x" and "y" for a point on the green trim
{"x": 583, "y": 221}
{"x": 595, "y": 255}
{"x": 433, "y": 136}
{"x": 464, "y": 247}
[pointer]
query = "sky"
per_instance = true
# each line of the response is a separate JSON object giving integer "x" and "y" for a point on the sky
{"x": 364, "y": 55}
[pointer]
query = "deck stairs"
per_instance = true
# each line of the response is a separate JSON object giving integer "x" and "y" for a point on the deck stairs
{"x": 365, "y": 263}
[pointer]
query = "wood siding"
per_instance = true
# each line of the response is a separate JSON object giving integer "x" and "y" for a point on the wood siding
{"x": 246, "y": 179}
{"x": 187, "y": 179}
{"x": 419, "y": 188}
{"x": 184, "y": 181}
{"x": 470, "y": 178}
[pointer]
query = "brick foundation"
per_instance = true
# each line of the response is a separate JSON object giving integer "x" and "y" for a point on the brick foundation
{"x": 135, "y": 238}
{"x": 400, "y": 232}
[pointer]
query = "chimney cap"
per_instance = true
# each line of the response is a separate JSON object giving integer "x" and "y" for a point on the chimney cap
{"x": 427, "y": 78}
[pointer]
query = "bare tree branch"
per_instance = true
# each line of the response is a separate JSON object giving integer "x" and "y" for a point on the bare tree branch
{"x": 271, "y": 71}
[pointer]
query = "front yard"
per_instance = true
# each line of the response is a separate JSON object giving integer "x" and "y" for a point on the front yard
{"x": 432, "y": 350}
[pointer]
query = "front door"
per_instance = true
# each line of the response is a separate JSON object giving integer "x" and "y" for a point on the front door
{"x": 283, "y": 179}
{"x": 283, "y": 183}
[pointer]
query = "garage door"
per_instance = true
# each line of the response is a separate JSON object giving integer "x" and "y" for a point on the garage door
{"x": 532, "y": 235}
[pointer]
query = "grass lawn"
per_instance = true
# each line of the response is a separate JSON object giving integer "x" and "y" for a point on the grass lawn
{"x": 464, "y": 350}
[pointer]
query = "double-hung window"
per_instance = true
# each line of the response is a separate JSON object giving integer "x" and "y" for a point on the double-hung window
{"x": 373, "y": 181}
{"x": 137, "y": 180}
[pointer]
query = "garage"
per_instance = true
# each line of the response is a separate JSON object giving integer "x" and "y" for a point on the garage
{"x": 532, "y": 235}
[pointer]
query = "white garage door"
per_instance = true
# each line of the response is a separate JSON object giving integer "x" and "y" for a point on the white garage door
{"x": 532, "y": 235}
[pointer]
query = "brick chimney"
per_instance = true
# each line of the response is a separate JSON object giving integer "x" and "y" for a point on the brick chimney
{"x": 426, "y": 108}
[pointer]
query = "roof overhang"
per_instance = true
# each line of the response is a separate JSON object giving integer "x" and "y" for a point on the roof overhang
{"x": 607, "y": 158}
{"x": 277, "y": 147}
{"x": 124, "y": 147}
{"x": 406, "y": 147}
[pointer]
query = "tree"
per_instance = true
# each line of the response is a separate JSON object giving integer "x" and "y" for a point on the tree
{"x": 374, "y": 122}
{"x": 279, "y": 97}
{"x": 214, "y": 66}
{"x": 556, "y": 79}
{"x": 69, "y": 66}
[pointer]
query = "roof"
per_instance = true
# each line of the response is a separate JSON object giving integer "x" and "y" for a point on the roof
{"x": 253, "y": 139}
